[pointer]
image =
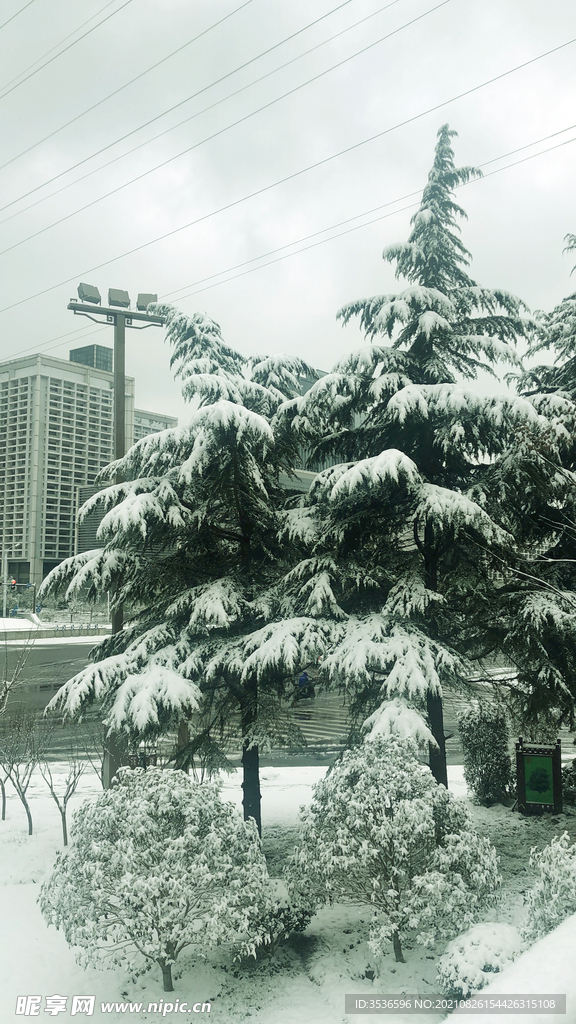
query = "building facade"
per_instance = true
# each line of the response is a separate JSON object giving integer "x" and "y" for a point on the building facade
{"x": 56, "y": 433}
{"x": 151, "y": 423}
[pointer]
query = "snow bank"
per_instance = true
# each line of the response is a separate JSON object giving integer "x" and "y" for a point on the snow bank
{"x": 546, "y": 968}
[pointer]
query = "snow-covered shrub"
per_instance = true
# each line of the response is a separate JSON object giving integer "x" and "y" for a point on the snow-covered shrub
{"x": 569, "y": 782}
{"x": 156, "y": 864}
{"x": 470, "y": 959}
{"x": 487, "y": 764}
{"x": 380, "y": 831}
{"x": 552, "y": 898}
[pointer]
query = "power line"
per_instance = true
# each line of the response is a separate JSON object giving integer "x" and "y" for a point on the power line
{"x": 66, "y": 48}
{"x": 366, "y": 213}
{"x": 55, "y": 47}
{"x": 221, "y": 131}
{"x": 289, "y": 177}
{"x": 126, "y": 84}
{"x": 357, "y": 227}
{"x": 181, "y": 103}
{"x": 29, "y": 4}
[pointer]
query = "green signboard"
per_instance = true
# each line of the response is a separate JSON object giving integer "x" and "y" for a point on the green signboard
{"x": 539, "y": 777}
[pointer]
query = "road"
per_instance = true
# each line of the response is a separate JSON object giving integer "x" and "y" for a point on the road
{"x": 45, "y": 665}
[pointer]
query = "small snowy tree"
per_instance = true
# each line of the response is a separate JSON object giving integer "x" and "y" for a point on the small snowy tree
{"x": 381, "y": 832}
{"x": 63, "y": 791}
{"x": 552, "y": 898}
{"x": 470, "y": 961}
{"x": 158, "y": 864}
{"x": 23, "y": 742}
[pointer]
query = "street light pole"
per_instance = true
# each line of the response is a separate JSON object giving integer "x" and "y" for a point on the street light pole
{"x": 119, "y": 419}
{"x": 120, "y": 318}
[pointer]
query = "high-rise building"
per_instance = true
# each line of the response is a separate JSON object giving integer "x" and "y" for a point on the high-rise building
{"x": 56, "y": 433}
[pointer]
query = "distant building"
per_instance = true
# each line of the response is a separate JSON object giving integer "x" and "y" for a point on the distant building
{"x": 56, "y": 433}
{"x": 151, "y": 423}
{"x": 98, "y": 356}
{"x": 144, "y": 423}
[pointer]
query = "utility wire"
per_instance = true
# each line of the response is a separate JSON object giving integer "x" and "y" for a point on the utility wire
{"x": 29, "y": 4}
{"x": 55, "y": 47}
{"x": 126, "y": 84}
{"x": 221, "y": 131}
{"x": 366, "y": 213}
{"x": 357, "y": 227}
{"x": 348, "y": 231}
{"x": 181, "y": 103}
{"x": 69, "y": 47}
{"x": 290, "y": 177}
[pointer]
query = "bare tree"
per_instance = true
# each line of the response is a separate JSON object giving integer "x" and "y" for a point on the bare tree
{"x": 23, "y": 742}
{"x": 76, "y": 769}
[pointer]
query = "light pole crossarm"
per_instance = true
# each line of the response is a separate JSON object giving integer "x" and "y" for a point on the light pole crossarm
{"x": 108, "y": 314}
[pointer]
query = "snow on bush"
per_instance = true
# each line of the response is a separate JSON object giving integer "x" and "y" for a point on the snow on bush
{"x": 487, "y": 765}
{"x": 552, "y": 898}
{"x": 569, "y": 782}
{"x": 469, "y": 960}
{"x": 156, "y": 864}
{"x": 381, "y": 832}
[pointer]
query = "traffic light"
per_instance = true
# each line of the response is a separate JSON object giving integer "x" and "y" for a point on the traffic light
{"x": 13, "y": 585}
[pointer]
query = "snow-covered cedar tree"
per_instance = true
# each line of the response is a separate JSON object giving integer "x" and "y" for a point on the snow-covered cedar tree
{"x": 544, "y": 624}
{"x": 556, "y": 334}
{"x": 381, "y": 832}
{"x": 552, "y": 898}
{"x": 439, "y": 492}
{"x": 487, "y": 765}
{"x": 194, "y": 547}
{"x": 158, "y": 864}
{"x": 470, "y": 961}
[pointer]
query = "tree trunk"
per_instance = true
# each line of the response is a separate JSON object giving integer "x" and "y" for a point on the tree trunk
{"x": 166, "y": 976}
{"x": 3, "y": 790}
{"x": 250, "y": 756}
{"x": 437, "y": 755}
{"x": 397, "y": 948}
{"x": 64, "y": 828}
{"x": 28, "y": 815}
{"x": 251, "y": 785}
{"x": 182, "y": 742}
{"x": 114, "y": 758}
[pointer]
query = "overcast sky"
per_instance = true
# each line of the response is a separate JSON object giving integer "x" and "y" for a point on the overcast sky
{"x": 517, "y": 218}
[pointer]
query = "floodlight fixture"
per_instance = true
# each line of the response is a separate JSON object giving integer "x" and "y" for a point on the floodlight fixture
{"x": 116, "y": 297}
{"x": 89, "y": 293}
{"x": 144, "y": 300}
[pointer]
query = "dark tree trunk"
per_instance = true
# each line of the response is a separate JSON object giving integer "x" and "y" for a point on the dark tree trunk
{"x": 437, "y": 755}
{"x": 3, "y": 790}
{"x": 251, "y": 785}
{"x": 167, "y": 976}
{"x": 183, "y": 742}
{"x": 250, "y": 758}
{"x": 398, "y": 949}
{"x": 437, "y": 758}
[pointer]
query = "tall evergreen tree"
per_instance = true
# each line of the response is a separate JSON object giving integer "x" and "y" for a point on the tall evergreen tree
{"x": 416, "y": 513}
{"x": 192, "y": 548}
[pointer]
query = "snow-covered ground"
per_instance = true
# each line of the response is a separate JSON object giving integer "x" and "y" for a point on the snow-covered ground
{"x": 308, "y": 978}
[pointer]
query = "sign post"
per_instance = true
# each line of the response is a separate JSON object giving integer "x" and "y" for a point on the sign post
{"x": 539, "y": 777}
